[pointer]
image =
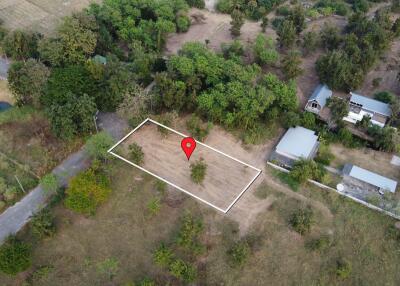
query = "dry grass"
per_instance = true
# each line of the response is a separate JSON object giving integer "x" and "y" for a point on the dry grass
{"x": 38, "y": 15}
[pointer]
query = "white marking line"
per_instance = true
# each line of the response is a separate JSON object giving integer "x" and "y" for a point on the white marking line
{"x": 172, "y": 184}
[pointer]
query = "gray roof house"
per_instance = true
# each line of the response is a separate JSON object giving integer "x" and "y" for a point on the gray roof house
{"x": 370, "y": 179}
{"x": 361, "y": 106}
{"x": 318, "y": 99}
{"x": 298, "y": 142}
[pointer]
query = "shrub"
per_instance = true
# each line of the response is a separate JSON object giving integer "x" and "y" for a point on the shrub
{"x": 183, "y": 23}
{"x": 197, "y": 129}
{"x": 301, "y": 220}
{"x": 239, "y": 253}
{"x": 15, "y": 256}
{"x": 154, "y": 206}
{"x": 196, "y": 3}
{"x": 98, "y": 145}
{"x": 188, "y": 234}
{"x": 109, "y": 267}
{"x": 87, "y": 191}
{"x": 385, "y": 96}
{"x": 182, "y": 270}
{"x": 49, "y": 183}
{"x": 136, "y": 154}
{"x": 198, "y": 171}
{"x": 324, "y": 155}
{"x": 264, "y": 50}
{"x": 163, "y": 256}
{"x": 343, "y": 268}
{"x": 319, "y": 244}
{"x": 338, "y": 107}
{"x": 306, "y": 169}
{"x": 42, "y": 224}
{"x": 291, "y": 119}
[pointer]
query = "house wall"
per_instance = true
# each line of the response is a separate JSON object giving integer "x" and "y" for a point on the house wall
{"x": 312, "y": 109}
{"x": 353, "y": 117}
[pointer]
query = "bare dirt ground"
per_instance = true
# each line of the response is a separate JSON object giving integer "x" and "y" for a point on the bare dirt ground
{"x": 366, "y": 158}
{"x": 163, "y": 156}
{"x": 5, "y": 93}
{"x": 38, "y": 15}
{"x": 214, "y": 28}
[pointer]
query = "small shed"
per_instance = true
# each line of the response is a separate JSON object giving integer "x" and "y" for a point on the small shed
{"x": 318, "y": 99}
{"x": 297, "y": 143}
{"x": 375, "y": 181}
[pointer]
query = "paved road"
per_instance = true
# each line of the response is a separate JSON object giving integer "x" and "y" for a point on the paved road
{"x": 15, "y": 217}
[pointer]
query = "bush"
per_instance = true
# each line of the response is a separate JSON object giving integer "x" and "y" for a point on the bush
{"x": 301, "y": 220}
{"x": 343, "y": 268}
{"x": 239, "y": 253}
{"x": 163, "y": 256}
{"x": 304, "y": 170}
{"x": 42, "y": 224}
{"x": 182, "y": 270}
{"x": 183, "y": 23}
{"x": 15, "y": 256}
{"x": 188, "y": 234}
{"x": 87, "y": 191}
{"x": 385, "y": 96}
{"x": 324, "y": 155}
{"x": 319, "y": 244}
{"x": 291, "y": 119}
{"x": 136, "y": 154}
{"x": 49, "y": 183}
{"x": 198, "y": 171}
{"x": 339, "y": 108}
{"x": 98, "y": 145}
{"x": 196, "y": 3}
{"x": 264, "y": 50}
{"x": 197, "y": 129}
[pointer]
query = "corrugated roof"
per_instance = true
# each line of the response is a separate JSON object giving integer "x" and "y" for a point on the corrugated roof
{"x": 298, "y": 142}
{"x": 370, "y": 177}
{"x": 321, "y": 94}
{"x": 371, "y": 104}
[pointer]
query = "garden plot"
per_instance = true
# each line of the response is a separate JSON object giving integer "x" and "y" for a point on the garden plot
{"x": 227, "y": 178}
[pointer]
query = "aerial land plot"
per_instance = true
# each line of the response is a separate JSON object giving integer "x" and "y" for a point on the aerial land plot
{"x": 225, "y": 181}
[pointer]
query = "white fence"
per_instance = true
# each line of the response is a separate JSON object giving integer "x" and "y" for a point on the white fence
{"x": 341, "y": 193}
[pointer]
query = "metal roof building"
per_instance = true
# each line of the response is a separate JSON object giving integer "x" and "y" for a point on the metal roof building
{"x": 321, "y": 94}
{"x": 369, "y": 177}
{"x": 370, "y": 104}
{"x": 297, "y": 143}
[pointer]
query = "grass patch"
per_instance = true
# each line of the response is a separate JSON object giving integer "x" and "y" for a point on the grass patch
{"x": 286, "y": 179}
{"x": 17, "y": 114}
{"x": 263, "y": 191}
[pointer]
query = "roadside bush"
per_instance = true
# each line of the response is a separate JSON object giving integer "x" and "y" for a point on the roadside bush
{"x": 198, "y": 171}
{"x": 136, "y": 154}
{"x": 163, "y": 256}
{"x": 307, "y": 169}
{"x": 15, "y": 256}
{"x": 343, "y": 268}
{"x": 239, "y": 253}
{"x": 98, "y": 145}
{"x": 302, "y": 220}
{"x": 87, "y": 191}
{"x": 49, "y": 183}
{"x": 42, "y": 224}
{"x": 197, "y": 129}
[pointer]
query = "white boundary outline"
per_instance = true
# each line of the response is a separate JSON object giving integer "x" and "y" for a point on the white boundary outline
{"x": 172, "y": 184}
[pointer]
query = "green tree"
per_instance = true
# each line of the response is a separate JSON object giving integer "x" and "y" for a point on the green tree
{"x": 264, "y": 23}
{"x": 343, "y": 268}
{"x": 237, "y": 22}
{"x": 15, "y": 256}
{"x": 87, "y": 191}
{"x": 334, "y": 69}
{"x": 304, "y": 170}
{"x": 291, "y": 65}
{"x": 74, "y": 117}
{"x": 188, "y": 236}
{"x": 286, "y": 34}
{"x": 27, "y": 81}
{"x": 385, "y": 96}
{"x": 198, "y": 171}
{"x": 330, "y": 37}
{"x": 339, "y": 108}
{"x": 196, "y": 3}
{"x": 20, "y": 45}
{"x": 163, "y": 256}
{"x": 136, "y": 154}
{"x": 182, "y": 23}
{"x": 264, "y": 50}
{"x": 311, "y": 41}
{"x": 98, "y": 145}
{"x": 301, "y": 220}
{"x": 298, "y": 17}
{"x": 291, "y": 119}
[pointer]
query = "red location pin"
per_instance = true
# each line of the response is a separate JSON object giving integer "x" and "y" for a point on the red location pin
{"x": 188, "y": 145}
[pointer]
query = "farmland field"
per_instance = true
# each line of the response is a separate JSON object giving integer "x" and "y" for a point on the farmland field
{"x": 38, "y": 15}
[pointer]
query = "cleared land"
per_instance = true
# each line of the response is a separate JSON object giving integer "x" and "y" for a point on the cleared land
{"x": 225, "y": 178}
{"x": 38, "y": 15}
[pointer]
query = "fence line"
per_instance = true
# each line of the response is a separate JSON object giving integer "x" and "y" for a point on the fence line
{"x": 371, "y": 206}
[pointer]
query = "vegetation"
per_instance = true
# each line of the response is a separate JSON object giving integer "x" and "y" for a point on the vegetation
{"x": 197, "y": 129}
{"x": 301, "y": 220}
{"x": 304, "y": 170}
{"x": 98, "y": 145}
{"x": 87, "y": 191}
{"x": 136, "y": 154}
{"x": 49, "y": 183}
{"x": 198, "y": 171}
{"x": 339, "y": 108}
{"x": 239, "y": 253}
{"x": 291, "y": 65}
{"x": 264, "y": 50}
{"x": 42, "y": 224}
{"x": 15, "y": 256}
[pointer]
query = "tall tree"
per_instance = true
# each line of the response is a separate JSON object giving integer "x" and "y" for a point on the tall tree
{"x": 286, "y": 34}
{"x": 237, "y": 22}
{"x": 291, "y": 65}
{"x": 20, "y": 45}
